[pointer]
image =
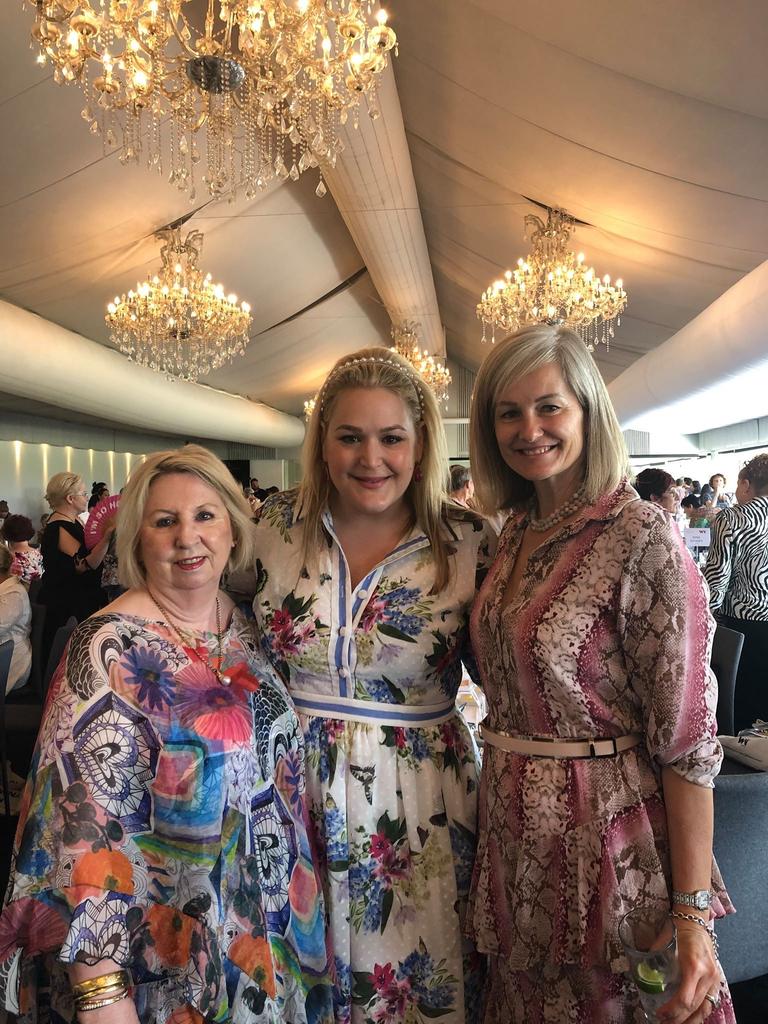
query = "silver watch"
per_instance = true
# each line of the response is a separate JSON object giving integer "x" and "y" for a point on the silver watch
{"x": 700, "y": 900}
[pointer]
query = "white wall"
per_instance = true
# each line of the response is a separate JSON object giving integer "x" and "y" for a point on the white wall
{"x": 269, "y": 472}
{"x": 26, "y": 468}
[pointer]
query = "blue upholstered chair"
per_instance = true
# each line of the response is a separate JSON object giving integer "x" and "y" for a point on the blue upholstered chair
{"x": 741, "y": 851}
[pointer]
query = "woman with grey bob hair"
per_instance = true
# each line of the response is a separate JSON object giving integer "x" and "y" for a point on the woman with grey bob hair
{"x": 592, "y": 635}
{"x": 167, "y": 791}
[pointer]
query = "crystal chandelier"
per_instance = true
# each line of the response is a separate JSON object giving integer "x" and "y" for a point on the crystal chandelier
{"x": 553, "y": 286}
{"x": 436, "y": 375}
{"x": 271, "y": 81}
{"x": 179, "y": 322}
{"x": 309, "y": 408}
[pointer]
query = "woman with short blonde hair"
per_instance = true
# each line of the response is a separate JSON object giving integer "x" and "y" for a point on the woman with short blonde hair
{"x": 71, "y": 584}
{"x": 496, "y": 485}
{"x": 167, "y": 792}
{"x": 366, "y": 578}
{"x": 202, "y": 463}
{"x": 593, "y": 636}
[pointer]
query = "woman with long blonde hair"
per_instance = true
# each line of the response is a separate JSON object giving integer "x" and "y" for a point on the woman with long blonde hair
{"x": 366, "y": 577}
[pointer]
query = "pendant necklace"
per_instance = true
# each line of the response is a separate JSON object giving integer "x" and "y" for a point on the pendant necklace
{"x": 190, "y": 642}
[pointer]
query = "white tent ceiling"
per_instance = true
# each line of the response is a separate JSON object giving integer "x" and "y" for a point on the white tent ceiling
{"x": 645, "y": 121}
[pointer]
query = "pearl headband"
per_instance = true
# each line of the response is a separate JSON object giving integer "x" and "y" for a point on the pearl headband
{"x": 413, "y": 379}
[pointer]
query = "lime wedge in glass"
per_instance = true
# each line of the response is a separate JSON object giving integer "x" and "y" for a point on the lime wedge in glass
{"x": 649, "y": 979}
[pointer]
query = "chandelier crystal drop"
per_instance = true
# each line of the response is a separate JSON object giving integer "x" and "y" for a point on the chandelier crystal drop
{"x": 552, "y": 285}
{"x": 179, "y": 322}
{"x": 309, "y": 408}
{"x": 436, "y": 375}
{"x": 253, "y": 89}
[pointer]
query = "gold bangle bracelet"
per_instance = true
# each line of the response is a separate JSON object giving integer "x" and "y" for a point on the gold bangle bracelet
{"x": 102, "y": 985}
{"x": 102, "y": 993}
{"x": 84, "y": 1005}
{"x": 100, "y": 982}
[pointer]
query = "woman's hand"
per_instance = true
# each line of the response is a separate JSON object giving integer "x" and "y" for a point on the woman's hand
{"x": 700, "y": 975}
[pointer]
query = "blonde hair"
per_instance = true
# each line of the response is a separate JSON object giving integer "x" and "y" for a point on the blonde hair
{"x": 199, "y": 462}
{"x": 61, "y": 486}
{"x": 606, "y": 460}
{"x": 380, "y": 368}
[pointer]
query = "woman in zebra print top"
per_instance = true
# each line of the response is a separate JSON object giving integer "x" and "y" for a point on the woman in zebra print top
{"x": 737, "y": 574}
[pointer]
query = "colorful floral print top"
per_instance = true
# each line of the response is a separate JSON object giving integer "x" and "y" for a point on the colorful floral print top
{"x": 393, "y": 805}
{"x": 27, "y": 565}
{"x": 163, "y": 826}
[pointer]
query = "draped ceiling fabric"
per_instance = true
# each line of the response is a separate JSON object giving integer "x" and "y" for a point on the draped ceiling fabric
{"x": 646, "y": 122}
{"x": 726, "y": 343}
{"x": 374, "y": 189}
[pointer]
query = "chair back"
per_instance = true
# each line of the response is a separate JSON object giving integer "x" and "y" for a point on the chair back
{"x": 726, "y": 653}
{"x": 741, "y": 839}
{"x": 6, "y": 653}
{"x": 34, "y": 589}
{"x": 60, "y": 639}
{"x": 36, "y": 642}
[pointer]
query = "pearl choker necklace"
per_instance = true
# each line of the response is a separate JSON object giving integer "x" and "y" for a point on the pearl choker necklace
{"x": 575, "y": 502}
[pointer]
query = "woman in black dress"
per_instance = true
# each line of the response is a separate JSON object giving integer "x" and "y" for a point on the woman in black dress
{"x": 72, "y": 580}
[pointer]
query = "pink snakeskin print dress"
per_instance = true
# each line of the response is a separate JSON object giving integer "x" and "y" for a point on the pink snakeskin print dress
{"x": 609, "y": 633}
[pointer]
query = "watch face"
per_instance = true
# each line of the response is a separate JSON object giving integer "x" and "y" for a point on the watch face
{"x": 702, "y": 900}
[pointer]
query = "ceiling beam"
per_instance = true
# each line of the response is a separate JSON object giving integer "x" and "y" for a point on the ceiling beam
{"x": 374, "y": 189}
{"x": 40, "y": 360}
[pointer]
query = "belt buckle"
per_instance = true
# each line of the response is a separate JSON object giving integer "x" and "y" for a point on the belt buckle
{"x": 611, "y": 753}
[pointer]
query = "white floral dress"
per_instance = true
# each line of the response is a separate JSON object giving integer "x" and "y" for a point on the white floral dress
{"x": 392, "y": 770}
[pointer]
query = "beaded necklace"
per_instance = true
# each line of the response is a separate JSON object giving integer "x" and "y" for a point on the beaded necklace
{"x": 189, "y": 641}
{"x": 577, "y": 499}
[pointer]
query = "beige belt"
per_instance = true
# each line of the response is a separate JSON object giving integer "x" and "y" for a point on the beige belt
{"x": 559, "y": 748}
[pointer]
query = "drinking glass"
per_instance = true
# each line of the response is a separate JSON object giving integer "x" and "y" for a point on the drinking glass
{"x": 648, "y": 937}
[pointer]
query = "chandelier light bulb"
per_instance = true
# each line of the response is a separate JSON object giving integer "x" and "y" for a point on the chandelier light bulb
{"x": 435, "y": 374}
{"x": 554, "y": 286}
{"x": 251, "y": 93}
{"x": 179, "y": 323}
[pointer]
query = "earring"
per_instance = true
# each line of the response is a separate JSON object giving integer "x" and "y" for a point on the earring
{"x": 417, "y": 473}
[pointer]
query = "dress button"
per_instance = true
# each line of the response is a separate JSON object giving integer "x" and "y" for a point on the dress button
{"x": 342, "y": 630}
{"x": 362, "y": 593}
